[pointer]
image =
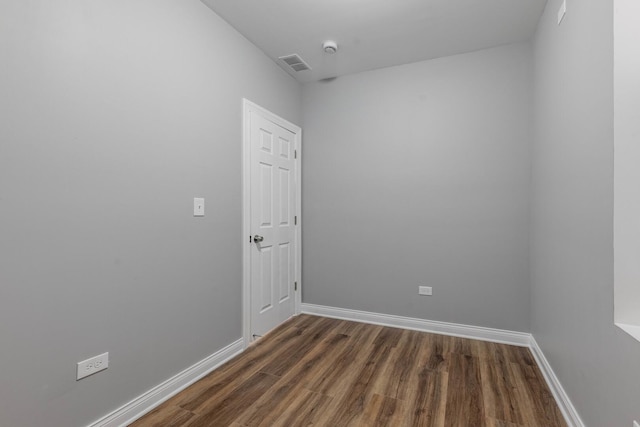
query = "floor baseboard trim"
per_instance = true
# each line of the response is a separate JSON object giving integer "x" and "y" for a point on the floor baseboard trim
{"x": 521, "y": 339}
{"x": 144, "y": 403}
{"x": 562, "y": 398}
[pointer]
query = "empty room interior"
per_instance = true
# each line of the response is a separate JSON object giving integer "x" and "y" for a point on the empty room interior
{"x": 332, "y": 213}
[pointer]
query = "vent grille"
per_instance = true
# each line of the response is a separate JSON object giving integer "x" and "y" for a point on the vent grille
{"x": 295, "y": 62}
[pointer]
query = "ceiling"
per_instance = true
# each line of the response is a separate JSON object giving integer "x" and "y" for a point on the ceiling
{"x": 376, "y": 33}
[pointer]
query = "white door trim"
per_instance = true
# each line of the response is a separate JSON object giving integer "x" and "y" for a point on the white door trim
{"x": 249, "y": 107}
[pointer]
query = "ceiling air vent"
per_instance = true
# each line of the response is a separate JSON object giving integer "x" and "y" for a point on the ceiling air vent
{"x": 295, "y": 62}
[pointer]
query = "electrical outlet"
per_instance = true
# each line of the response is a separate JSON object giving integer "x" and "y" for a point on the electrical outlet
{"x": 425, "y": 290}
{"x": 636, "y": 424}
{"x": 91, "y": 366}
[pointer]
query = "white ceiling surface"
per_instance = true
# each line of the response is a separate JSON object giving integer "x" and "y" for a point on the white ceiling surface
{"x": 376, "y": 33}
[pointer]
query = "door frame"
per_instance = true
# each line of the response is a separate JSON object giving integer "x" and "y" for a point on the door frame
{"x": 248, "y": 108}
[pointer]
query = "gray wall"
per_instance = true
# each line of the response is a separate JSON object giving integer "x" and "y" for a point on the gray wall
{"x": 626, "y": 233}
{"x": 572, "y": 215}
{"x": 419, "y": 175}
{"x": 113, "y": 116}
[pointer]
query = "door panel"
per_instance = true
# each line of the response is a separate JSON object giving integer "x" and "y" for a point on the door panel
{"x": 265, "y": 279}
{"x": 266, "y": 195}
{"x": 285, "y": 277}
{"x": 285, "y": 196}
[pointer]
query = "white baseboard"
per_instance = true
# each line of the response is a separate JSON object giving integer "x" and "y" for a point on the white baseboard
{"x": 568, "y": 410}
{"x": 146, "y": 402}
{"x": 521, "y": 339}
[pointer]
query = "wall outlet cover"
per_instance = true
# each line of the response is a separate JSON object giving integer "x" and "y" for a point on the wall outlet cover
{"x": 636, "y": 424}
{"x": 425, "y": 290}
{"x": 92, "y": 365}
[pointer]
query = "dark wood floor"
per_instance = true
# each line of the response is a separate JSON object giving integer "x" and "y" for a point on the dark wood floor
{"x": 326, "y": 372}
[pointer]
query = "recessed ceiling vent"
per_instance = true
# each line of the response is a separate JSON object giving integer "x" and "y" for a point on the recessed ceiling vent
{"x": 295, "y": 62}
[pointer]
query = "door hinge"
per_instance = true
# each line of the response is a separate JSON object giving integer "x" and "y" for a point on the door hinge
{"x": 295, "y": 286}
{"x": 295, "y": 154}
{"x": 295, "y": 220}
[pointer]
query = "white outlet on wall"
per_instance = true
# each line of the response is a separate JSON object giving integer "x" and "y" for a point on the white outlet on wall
{"x": 91, "y": 366}
{"x": 636, "y": 424}
{"x": 425, "y": 290}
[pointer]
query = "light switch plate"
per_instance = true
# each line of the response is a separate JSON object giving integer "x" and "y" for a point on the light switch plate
{"x": 562, "y": 11}
{"x": 198, "y": 206}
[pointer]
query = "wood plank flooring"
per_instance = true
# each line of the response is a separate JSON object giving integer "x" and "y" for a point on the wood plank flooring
{"x": 326, "y": 372}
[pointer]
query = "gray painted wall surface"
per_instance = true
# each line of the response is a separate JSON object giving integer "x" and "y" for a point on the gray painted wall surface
{"x": 572, "y": 215}
{"x": 626, "y": 233}
{"x": 419, "y": 175}
{"x": 114, "y": 115}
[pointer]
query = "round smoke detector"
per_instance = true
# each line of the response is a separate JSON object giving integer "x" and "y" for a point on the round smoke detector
{"x": 330, "y": 47}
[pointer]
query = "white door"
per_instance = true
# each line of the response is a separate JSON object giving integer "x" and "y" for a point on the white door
{"x": 273, "y": 222}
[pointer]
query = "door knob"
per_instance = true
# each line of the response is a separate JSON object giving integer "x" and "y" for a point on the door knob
{"x": 258, "y": 239}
